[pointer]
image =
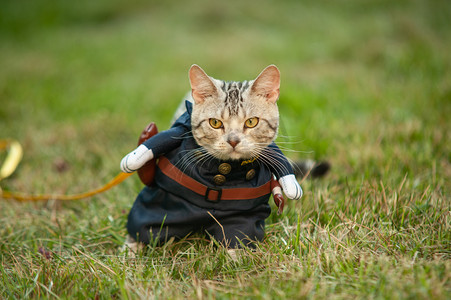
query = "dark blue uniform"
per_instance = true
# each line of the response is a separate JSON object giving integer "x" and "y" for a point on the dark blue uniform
{"x": 172, "y": 207}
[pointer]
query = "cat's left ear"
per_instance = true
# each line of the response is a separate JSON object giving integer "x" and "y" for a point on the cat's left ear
{"x": 267, "y": 84}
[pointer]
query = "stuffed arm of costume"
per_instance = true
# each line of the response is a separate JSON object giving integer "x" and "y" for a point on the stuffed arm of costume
{"x": 157, "y": 145}
{"x": 290, "y": 186}
{"x": 136, "y": 159}
{"x": 284, "y": 173}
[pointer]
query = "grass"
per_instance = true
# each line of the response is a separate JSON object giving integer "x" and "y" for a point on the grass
{"x": 366, "y": 85}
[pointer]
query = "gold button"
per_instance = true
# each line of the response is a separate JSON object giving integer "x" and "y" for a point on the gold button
{"x": 250, "y": 174}
{"x": 224, "y": 168}
{"x": 219, "y": 179}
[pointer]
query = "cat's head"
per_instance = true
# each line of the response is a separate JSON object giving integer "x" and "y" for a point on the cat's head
{"x": 235, "y": 120}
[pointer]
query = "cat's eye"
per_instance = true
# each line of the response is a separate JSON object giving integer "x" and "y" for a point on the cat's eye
{"x": 251, "y": 123}
{"x": 215, "y": 123}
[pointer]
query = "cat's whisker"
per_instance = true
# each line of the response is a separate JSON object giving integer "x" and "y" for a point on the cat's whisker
{"x": 274, "y": 164}
{"x": 204, "y": 157}
{"x": 278, "y": 169}
{"x": 184, "y": 161}
{"x": 285, "y": 149}
{"x": 293, "y": 164}
{"x": 287, "y": 136}
{"x": 190, "y": 158}
{"x": 186, "y": 135}
{"x": 272, "y": 158}
{"x": 289, "y": 143}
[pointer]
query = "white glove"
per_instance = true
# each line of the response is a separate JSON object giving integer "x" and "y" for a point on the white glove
{"x": 290, "y": 186}
{"x": 136, "y": 159}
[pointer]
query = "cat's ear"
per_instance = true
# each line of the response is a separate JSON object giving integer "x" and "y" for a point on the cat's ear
{"x": 201, "y": 85}
{"x": 267, "y": 84}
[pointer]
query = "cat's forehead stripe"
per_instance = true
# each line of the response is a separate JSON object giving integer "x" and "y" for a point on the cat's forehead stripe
{"x": 230, "y": 85}
{"x": 234, "y": 99}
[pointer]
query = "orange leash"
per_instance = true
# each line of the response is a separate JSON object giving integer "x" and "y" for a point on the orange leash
{"x": 12, "y": 160}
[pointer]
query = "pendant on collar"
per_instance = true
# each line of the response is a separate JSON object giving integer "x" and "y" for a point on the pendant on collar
{"x": 249, "y": 161}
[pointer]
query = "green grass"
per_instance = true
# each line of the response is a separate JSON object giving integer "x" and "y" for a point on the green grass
{"x": 365, "y": 85}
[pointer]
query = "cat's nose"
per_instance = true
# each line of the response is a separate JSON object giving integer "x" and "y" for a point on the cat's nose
{"x": 233, "y": 142}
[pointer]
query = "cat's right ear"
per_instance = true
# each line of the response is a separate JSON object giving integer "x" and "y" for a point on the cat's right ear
{"x": 201, "y": 85}
{"x": 267, "y": 84}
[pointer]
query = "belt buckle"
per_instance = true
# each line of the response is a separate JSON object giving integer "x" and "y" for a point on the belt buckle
{"x": 207, "y": 193}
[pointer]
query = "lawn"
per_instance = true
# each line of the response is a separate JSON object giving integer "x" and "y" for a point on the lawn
{"x": 366, "y": 85}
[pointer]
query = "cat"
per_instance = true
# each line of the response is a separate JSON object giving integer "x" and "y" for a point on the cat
{"x": 215, "y": 165}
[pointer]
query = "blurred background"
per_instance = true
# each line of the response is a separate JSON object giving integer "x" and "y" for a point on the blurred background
{"x": 365, "y": 84}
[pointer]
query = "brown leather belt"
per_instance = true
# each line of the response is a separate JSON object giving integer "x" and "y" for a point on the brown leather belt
{"x": 211, "y": 194}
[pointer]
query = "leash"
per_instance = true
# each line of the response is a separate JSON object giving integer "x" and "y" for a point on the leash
{"x": 13, "y": 159}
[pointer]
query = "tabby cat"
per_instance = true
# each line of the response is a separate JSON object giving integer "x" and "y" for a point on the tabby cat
{"x": 216, "y": 164}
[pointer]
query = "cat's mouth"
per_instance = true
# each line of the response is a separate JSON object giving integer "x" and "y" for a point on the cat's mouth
{"x": 236, "y": 154}
{"x": 233, "y": 154}
{"x": 229, "y": 153}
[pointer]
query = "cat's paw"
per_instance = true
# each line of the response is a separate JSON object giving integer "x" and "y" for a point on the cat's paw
{"x": 136, "y": 159}
{"x": 131, "y": 247}
{"x": 291, "y": 187}
{"x": 235, "y": 254}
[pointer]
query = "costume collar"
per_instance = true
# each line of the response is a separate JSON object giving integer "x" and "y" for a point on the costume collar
{"x": 189, "y": 107}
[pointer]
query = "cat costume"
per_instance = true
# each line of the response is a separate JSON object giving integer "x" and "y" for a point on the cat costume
{"x": 226, "y": 198}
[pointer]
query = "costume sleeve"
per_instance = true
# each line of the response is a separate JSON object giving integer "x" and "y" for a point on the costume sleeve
{"x": 167, "y": 140}
{"x": 281, "y": 166}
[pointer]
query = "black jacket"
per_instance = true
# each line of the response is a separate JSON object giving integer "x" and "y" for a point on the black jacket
{"x": 182, "y": 210}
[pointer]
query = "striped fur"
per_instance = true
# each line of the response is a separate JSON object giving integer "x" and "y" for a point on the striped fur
{"x": 233, "y": 103}
{"x": 234, "y": 99}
